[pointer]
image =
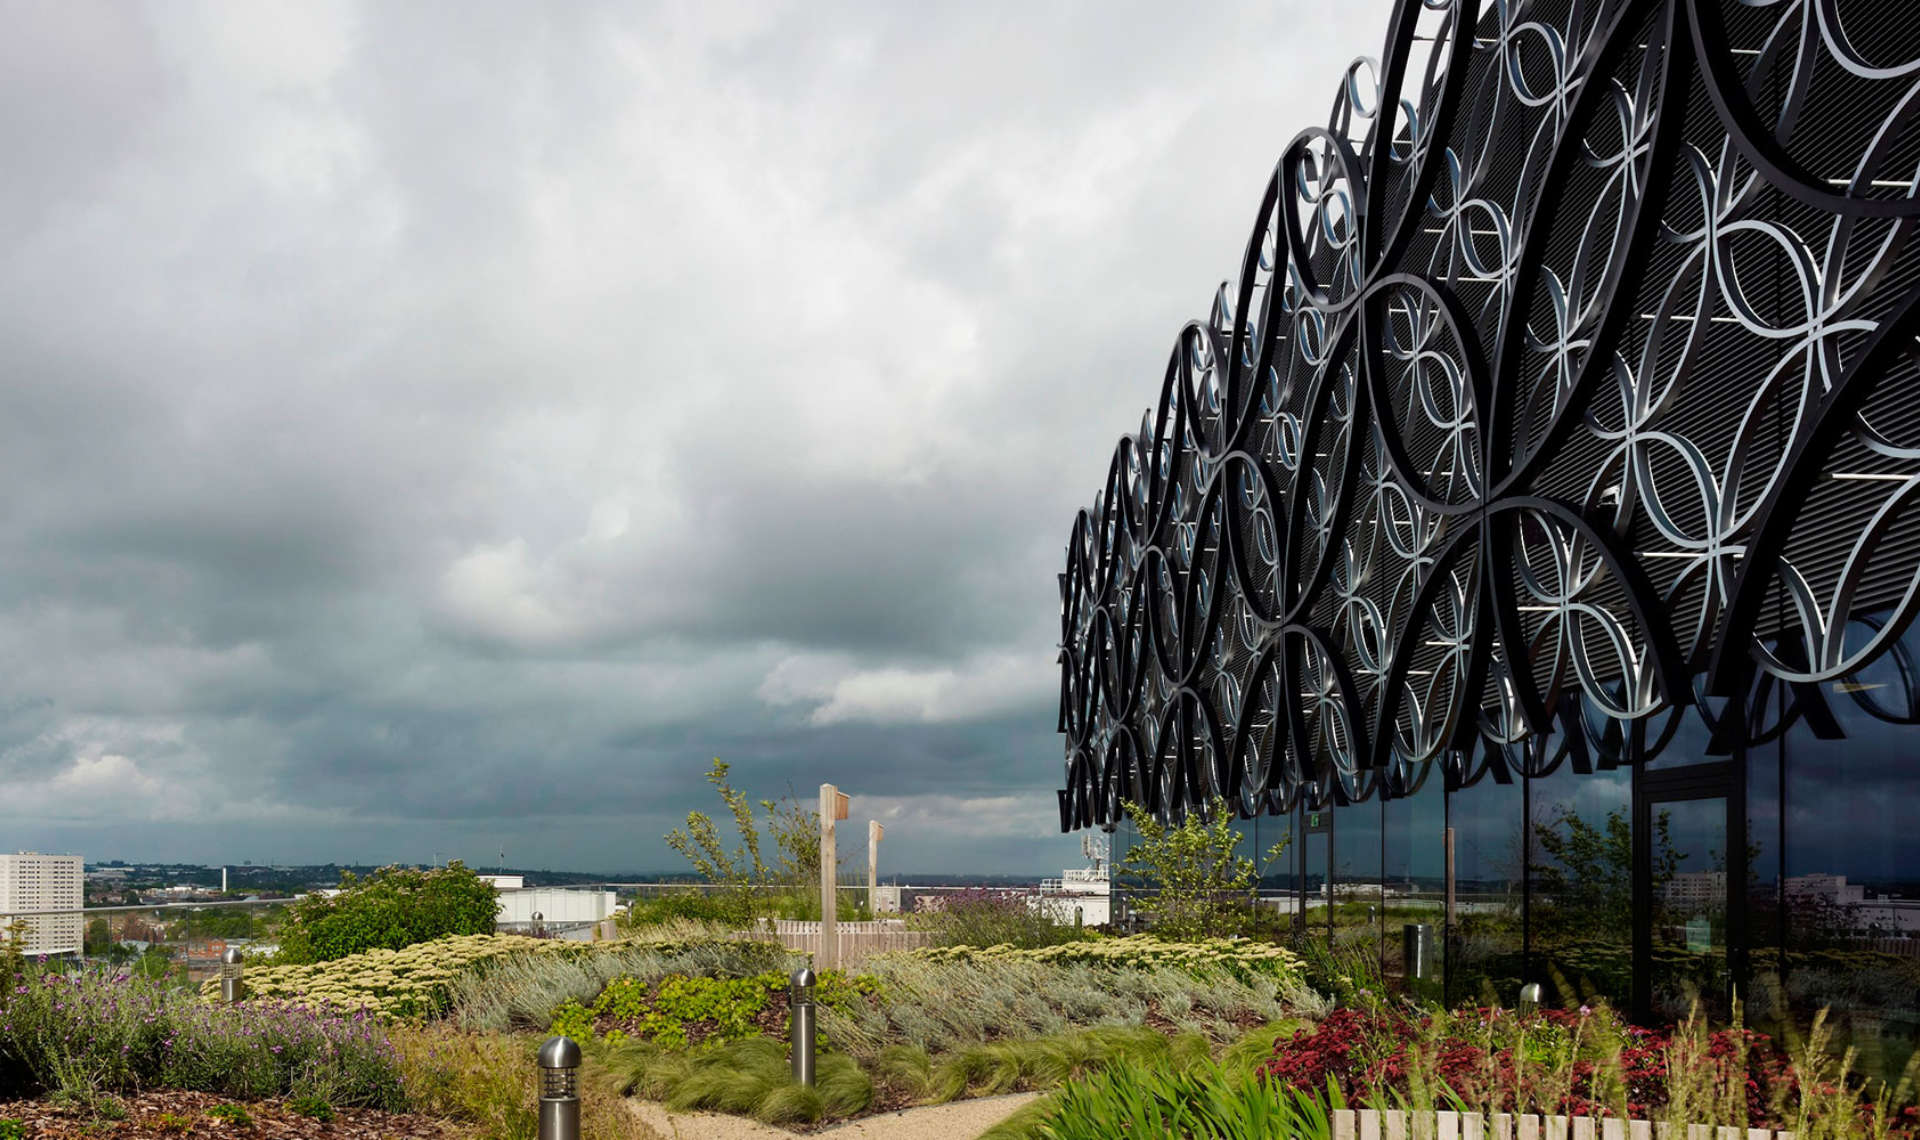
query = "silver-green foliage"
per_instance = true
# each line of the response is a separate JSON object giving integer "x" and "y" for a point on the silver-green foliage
{"x": 945, "y": 1007}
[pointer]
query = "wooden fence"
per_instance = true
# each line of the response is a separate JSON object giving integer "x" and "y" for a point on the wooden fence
{"x": 857, "y": 941}
{"x": 1368, "y": 1124}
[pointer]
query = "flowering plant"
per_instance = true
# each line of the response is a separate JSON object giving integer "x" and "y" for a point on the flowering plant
{"x": 1239, "y": 957}
{"x": 103, "y": 1032}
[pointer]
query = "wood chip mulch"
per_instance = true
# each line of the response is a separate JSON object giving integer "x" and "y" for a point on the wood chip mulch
{"x": 173, "y": 1115}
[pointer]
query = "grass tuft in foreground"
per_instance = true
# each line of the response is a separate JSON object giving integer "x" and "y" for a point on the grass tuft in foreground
{"x": 489, "y": 1082}
{"x": 750, "y": 1077}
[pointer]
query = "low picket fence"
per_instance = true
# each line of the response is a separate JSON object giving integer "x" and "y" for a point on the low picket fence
{"x": 856, "y": 941}
{"x": 1371, "y": 1124}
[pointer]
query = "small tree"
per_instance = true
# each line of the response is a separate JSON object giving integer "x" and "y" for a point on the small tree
{"x": 99, "y": 938}
{"x": 392, "y": 908}
{"x": 13, "y": 959}
{"x": 740, "y": 871}
{"x": 1205, "y": 887}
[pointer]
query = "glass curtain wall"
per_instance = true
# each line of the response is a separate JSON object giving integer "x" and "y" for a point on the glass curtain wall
{"x": 1485, "y": 805}
{"x": 1776, "y": 862}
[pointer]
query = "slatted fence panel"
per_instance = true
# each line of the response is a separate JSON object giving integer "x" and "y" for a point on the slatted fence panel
{"x": 1374, "y": 1124}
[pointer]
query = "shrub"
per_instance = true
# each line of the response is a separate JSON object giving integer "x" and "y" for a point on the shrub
{"x": 394, "y": 908}
{"x": 682, "y": 906}
{"x": 1584, "y": 1063}
{"x": 742, "y": 874}
{"x": 1202, "y": 885}
{"x": 11, "y": 1129}
{"x": 91, "y": 1033}
{"x": 976, "y": 917}
{"x": 677, "y": 1011}
{"x": 312, "y": 1107}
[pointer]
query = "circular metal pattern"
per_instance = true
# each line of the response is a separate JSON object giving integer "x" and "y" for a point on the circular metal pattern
{"x": 1568, "y": 385}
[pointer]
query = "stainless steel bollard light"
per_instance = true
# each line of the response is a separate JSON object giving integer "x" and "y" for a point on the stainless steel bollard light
{"x": 800, "y": 1014}
{"x": 560, "y": 1089}
{"x": 1416, "y": 944}
{"x": 232, "y": 967}
{"x": 1530, "y": 997}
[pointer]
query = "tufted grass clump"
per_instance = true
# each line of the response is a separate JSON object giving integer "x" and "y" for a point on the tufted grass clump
{"x": 750, "y": 1077}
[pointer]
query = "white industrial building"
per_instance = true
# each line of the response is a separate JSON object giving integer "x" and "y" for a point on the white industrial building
{"x": 552, "y": 910}
{"x": 30, "y": 881}
{"x": 1081, "y": 895}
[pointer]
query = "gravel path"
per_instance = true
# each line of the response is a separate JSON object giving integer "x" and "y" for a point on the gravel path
{"x": 962, "y": 1120}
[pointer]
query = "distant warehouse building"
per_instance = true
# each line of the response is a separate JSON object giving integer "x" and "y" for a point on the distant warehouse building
{"x": 29, "y": 882}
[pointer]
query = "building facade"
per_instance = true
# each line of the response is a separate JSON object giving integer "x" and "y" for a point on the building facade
{"x": 29, "y": 882}
{"x": 1523, "y": 535}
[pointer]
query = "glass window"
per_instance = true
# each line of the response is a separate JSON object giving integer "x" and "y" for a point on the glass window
{"x": 1852, "y": 885}
{"x": 1413, "y": 884}
{"x": 1765, "y": 882}
{"x": 1356, "y": 891}
{"x": 1279, "y": 895}
{"x": 1316, "y": 835}
{"x": 1688, "y": 891}
{"x": 1580, "y": 882}
{"x": 1484, "y": 966}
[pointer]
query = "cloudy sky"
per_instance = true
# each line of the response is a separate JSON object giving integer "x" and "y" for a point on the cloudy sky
{"x": 443, "y": 428}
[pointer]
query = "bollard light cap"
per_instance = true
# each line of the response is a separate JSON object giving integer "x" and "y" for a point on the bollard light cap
{"x": 803, "y": 978}
{"x": 560, "y": 1053}
{"x": 233, "y": 957}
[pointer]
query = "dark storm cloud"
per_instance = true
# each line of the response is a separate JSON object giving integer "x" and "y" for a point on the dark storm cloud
{"x": 446, "y": 427}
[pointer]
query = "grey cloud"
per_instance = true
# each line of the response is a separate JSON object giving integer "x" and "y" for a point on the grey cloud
{"x": 430, "y": 427}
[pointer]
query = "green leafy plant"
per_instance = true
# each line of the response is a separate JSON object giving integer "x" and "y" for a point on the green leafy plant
{"x": 393, "y": 908}
{"x": 173, "y": 1122}
{"x": 312, "y": 1107}
{"x": 1199, "y": 1100}
{"x": 677, "y": 1011}
{"x": 1202, "y": 885}
{"x": 13, "y": 963}
{"x": 233, "y": 1114}
{"x": 11, "y": 1129}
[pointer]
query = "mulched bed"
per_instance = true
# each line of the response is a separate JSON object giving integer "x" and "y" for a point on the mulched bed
{"x": 272, "y": 1120}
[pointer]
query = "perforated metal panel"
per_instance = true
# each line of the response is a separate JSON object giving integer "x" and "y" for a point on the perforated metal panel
{"x": 1569, "y": 377}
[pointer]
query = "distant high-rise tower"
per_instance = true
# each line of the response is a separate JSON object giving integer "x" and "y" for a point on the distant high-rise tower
{"x": 29, "y": 882}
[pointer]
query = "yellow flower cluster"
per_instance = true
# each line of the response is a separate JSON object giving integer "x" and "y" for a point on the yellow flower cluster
{"x": 1137, "y": 952}
{"x": 409, "y": 982}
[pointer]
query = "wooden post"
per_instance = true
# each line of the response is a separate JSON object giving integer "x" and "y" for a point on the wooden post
{"x": 833, "y": 808}
{"x": 875, "y": 833}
